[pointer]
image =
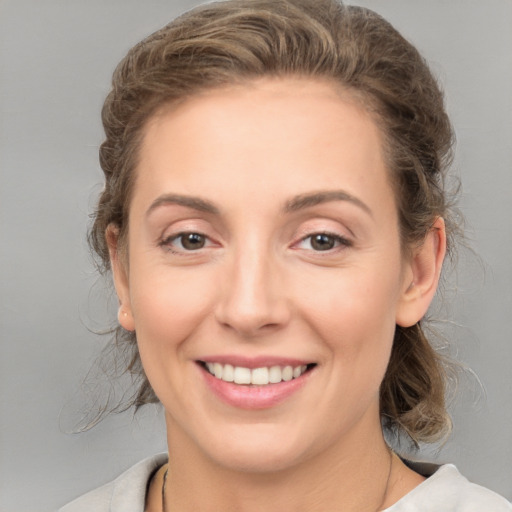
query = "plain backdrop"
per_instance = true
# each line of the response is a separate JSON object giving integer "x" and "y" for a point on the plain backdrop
{"x": 56, "y": 61}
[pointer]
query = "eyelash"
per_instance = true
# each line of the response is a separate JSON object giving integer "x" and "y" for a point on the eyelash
{"x": 338, "y": 241}
{"x": 167, "y": 243}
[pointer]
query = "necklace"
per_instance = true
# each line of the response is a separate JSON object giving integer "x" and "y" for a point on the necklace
{"x": 163, "y": 488}
{"x": 385, "y": 495}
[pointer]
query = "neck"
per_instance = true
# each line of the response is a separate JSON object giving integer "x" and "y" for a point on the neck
{"x": 353, "y": 474}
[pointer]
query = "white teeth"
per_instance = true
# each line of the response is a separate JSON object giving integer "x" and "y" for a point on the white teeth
{"x": 257, "y": 376}
{"x": 242, "y": 375}
{"x": 217, "y": 370}
{"x": 228, "y": 373}
{"x": 275, "y": 374}
{"x": 287, "y": 373}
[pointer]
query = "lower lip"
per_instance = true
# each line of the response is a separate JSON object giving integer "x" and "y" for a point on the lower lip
{"x": 253, "y": 397}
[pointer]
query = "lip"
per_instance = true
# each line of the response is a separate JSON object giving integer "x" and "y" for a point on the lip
{"x": 253, "y": 397}
{"x": 254, "y": 362}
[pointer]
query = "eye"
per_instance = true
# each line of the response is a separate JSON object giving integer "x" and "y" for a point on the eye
{"x": 186, "y": 241}
{"x": 323, "y": 242}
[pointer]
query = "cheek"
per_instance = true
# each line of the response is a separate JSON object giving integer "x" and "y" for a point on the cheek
{"x": 167, "y": 308}
{"x": 353, "y": 312}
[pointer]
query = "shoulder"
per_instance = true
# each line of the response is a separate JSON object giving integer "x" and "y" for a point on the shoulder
{"x": 446, "y": 489}
{"x": 127, "y": 493}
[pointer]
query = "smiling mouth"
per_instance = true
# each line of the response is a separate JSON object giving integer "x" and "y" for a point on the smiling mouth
{"x": 255, "y": 376}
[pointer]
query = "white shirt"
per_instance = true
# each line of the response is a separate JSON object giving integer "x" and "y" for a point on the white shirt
{"x": 446, "y": 490}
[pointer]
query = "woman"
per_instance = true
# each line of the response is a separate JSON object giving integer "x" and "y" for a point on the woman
{"x": 275, "y": 221}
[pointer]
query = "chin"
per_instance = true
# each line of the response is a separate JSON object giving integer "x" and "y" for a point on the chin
{"x": 259, "y": 449}
{"x": 257, "y": 459}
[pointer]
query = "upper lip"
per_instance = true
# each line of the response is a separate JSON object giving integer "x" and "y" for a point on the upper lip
{"x": 255, "y": 362}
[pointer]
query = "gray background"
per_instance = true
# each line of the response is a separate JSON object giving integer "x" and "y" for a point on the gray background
{"x": 55, "y": 66}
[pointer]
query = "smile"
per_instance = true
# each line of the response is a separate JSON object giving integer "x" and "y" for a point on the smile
{"x": 255, "y": 376}
{"x": 255, "y": 383}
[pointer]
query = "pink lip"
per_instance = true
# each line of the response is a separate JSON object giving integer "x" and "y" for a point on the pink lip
{"x": 253, "y": 397}
{"x": 255, "y": 362}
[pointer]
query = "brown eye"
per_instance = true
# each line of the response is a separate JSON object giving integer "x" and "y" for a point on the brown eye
{"x": 191, "y": 241}
{"x": 186, "y": 242}
{"x": 322, "y": 242}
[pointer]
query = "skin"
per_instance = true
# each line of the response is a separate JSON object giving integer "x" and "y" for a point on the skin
{"x": 260, "y": 287}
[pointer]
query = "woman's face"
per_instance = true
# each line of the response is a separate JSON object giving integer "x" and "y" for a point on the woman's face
{"x": 264, "y": 246}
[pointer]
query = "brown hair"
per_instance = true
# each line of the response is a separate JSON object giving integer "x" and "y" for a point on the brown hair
{"x": 239, "y": 40}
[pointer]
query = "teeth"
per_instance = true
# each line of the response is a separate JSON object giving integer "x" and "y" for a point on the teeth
{"x": 228, "y": 373}
{"x": 257, "y": 376}
{"x": 242, "y": 375}
{"x": 287, "y": 373}
{"x": 275, "y": 374}
{"x": 217, "y": 370}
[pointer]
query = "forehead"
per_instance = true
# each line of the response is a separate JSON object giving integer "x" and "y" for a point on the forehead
{"x": 290, "y": 135}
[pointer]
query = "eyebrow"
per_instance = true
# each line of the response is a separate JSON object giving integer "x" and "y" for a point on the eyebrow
{"x": 297, "y": 203}
{"x": 308, "y": 200}
{"x": 196, "y": 203}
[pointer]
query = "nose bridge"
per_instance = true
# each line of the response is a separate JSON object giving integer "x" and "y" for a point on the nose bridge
{"x": 251, "y": 297}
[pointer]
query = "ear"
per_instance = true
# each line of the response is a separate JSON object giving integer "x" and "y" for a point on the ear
{"x": 120, "y": 275}
{"x": 422, "y": 276}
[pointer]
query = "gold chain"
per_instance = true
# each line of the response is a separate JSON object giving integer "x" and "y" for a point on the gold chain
{"x": 391, "y": 456}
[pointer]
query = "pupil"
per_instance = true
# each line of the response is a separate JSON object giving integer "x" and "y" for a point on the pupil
{"x": 322, "y": 242}
{"x": 193, "y": 241}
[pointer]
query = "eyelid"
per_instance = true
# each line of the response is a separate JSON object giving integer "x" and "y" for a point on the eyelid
{"x": 174, "y": 227}
{"x": 342, "y": 242}
{"x": 166, "y": 242}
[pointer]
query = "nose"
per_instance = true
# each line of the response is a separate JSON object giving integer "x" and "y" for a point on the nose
{"x": 253, "y": 296}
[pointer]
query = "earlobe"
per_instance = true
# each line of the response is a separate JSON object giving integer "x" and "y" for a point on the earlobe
{"x": 424, "y": 270}
{"x": 125, "y": 318}
{"x": 120, "y": 277}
